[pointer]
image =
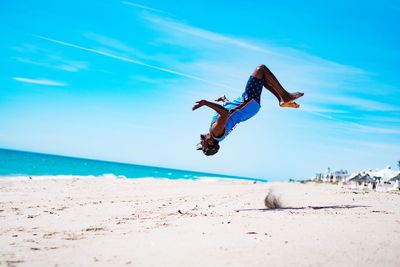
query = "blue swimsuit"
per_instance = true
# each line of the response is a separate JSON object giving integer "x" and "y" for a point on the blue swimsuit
{"x": 243, "y": 108}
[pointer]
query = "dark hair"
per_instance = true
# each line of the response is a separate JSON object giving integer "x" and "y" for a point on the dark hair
{"x": 211, "y": 150}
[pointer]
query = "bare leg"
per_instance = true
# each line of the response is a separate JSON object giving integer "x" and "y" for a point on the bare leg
{"x": 272, "y": 84}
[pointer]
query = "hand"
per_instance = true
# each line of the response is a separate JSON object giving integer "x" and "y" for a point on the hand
{"x": 221, "y": 98}
{"x": 198, "y": 104}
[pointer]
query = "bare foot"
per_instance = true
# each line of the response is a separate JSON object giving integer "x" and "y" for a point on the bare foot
{"x": 294, "y": 96}
{"x": 289, "y": 104}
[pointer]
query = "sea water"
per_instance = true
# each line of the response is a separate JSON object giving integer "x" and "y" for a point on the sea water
{"x": 28, "y": 164}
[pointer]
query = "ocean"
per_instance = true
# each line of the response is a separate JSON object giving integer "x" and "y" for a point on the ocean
{"x": 29, "y": 164}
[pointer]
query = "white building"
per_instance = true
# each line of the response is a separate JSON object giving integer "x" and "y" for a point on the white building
{"x": 384, "y": 174}
{"x": 332, "y": 176}
{"x": 340, "y": 176}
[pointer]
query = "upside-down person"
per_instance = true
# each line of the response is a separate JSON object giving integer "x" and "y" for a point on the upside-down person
{"x": 243, "y": 108}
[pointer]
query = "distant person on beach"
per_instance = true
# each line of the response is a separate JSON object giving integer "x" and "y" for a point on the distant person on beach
{"x": 243, "y": 108}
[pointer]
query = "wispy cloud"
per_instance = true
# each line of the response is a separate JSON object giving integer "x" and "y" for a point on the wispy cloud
{"x": 25, "y": 48}
{"x": 356, "y": 102}
{"x": 39, "y": 81}
{"x": 117, "y": 47}
{"x": 149, "y": 80}
{"x": 43, "y": 57}
{"x": 354, "y": 123}
{"x": 73, "y": 66}
{"x": 175, "y": 26}
{"x": 376, "y": 130}
{"x": 141, "y": 6}
{"x": 294, "y": 67}
{"x": 322, "y": 110}
{"x": 60, "y": 64}
{"x": 182, "y": 34}
{"x": 350, "y": 128}
{"x": 130, "y": 60}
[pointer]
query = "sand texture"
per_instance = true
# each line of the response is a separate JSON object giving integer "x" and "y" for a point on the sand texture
{"x": 122, "y": 222}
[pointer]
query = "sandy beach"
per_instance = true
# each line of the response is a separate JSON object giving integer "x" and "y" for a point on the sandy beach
{"x": 147, "y": 222}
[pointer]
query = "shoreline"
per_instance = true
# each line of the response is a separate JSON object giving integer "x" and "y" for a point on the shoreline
{"x": 79, "y": 166}
{"x": 111, "y": 176}
{"x": 149, "y": 222}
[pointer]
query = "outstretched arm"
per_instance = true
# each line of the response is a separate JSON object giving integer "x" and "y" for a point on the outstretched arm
{"x": 218, "y": 108}
{"x": 218, "y": 127}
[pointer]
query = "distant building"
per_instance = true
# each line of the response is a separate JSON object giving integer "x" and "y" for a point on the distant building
{"x": 318, "y": 177}
{"x": 330, "y": 177}
{"x": 340, "y": 176}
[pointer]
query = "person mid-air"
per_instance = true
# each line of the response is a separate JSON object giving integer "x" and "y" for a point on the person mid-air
{"x": 243, "y": 108}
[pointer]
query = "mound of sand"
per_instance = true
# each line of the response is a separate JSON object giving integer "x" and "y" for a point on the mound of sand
{"x": 272, "y": 201}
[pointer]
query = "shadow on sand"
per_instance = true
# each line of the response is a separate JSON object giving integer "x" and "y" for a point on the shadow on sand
{"x": 307, "y": 208}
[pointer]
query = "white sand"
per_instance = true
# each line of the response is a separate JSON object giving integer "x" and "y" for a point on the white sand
{"x": 117, "y": 222}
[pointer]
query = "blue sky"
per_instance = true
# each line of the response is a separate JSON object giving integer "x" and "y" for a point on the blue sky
{"x": 116, "y": 80}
